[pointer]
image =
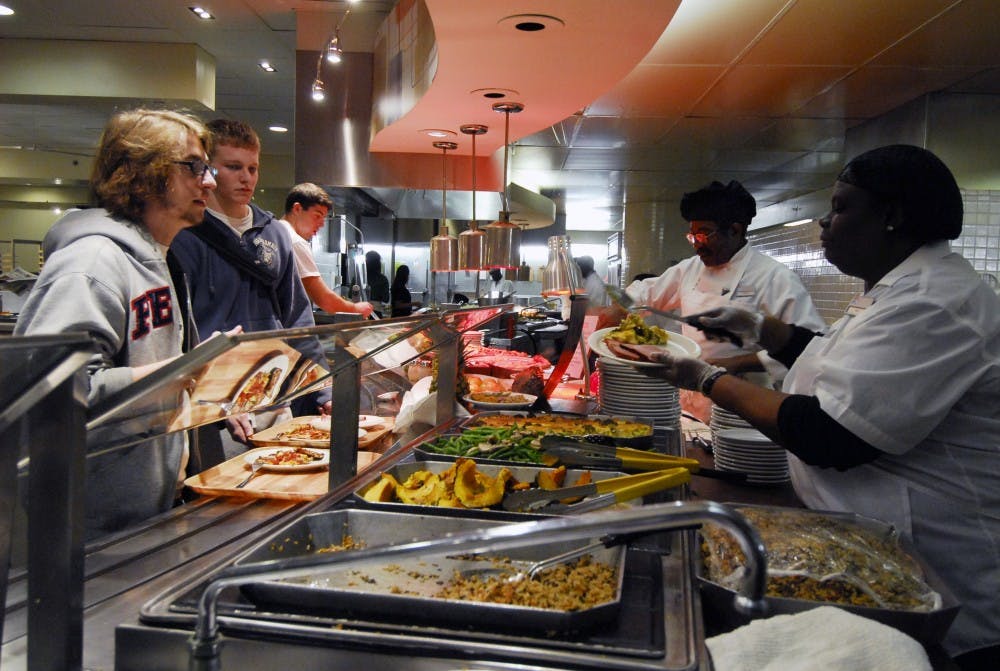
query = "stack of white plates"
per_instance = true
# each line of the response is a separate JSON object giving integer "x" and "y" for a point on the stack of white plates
{"x": 626, "y": 391}
{"x": 721, "y": 419}
{"x": 753, "y": 453}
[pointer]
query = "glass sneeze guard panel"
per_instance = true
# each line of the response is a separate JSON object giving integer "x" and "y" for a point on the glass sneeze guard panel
{"x": 228, "y": 375}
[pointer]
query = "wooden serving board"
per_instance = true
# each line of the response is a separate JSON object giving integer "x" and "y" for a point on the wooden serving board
{"x": 221, "y": 480}
{"x": 273, "y": 437}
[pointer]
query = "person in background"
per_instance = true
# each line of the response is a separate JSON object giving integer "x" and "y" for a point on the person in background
{"x": 499, "y": 286}
{"x": 106, "y": 274}
{"x": 725, "y": 270}
{"x": 378, "y": 283}
{"x": 241, "y": 265}
{"x": 306, "y": 208}
{"x": 592, "y": 284}
{"x": 401, "y": 300}
{"x": 643, "y": 276}
{"x": 895, "y": 412}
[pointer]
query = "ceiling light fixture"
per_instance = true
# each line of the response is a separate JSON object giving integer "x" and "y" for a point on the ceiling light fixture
{"x": 503, "y": 239}
{"x": 202, "y": 13}
{"x": 6, "y": 11}
{"x": 472, "y": 242}
{"x": 266, "y": 66}
{"x": 278, "y": 128}
{"x": 444, "y": 247}
{"x": 332, "y": 52}
{"x": 437, "y": 132}
{"x": 798, "y": 222}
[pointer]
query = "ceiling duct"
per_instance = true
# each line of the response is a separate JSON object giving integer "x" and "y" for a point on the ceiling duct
{"x": 527, "y": 209}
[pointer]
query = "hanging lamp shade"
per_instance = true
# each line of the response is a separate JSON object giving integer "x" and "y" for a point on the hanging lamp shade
{"x": 562, "y": 275}
{"x": 503, "y": 239}
{"x": 444, "y": 246}
{"x": 472, "y": 241}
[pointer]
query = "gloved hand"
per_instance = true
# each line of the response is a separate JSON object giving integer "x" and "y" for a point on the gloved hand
{"x": 745, "y": 324}
{"x": 684, "y": 372}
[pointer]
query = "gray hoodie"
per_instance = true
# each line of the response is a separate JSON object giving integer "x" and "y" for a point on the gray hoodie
{"x": 107, "y": 277}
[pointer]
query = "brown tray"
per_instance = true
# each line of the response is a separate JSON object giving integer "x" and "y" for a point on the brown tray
{"x": 375, "y": 440}
{"x": 221, "y": 480}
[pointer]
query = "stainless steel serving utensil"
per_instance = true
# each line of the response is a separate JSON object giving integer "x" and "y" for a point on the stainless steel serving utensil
{"x": 625, "y": 301}
{"x": 510, "y": 573}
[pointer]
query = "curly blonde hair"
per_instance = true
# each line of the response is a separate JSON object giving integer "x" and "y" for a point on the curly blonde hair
{"x": 135, "y": 156}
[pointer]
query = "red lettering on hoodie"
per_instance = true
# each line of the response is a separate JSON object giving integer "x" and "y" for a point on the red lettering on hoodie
{"x": 152, "y": 309}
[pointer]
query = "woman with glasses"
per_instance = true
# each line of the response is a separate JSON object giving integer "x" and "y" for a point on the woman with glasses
{"x": 724, "y": 271}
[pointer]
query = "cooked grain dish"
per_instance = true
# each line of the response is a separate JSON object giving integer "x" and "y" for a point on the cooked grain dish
{"x": 574, "y": 586}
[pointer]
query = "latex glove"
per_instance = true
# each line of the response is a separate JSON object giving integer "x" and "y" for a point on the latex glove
{"x": 745, "y": 324}
{"x": 684, "y": 372}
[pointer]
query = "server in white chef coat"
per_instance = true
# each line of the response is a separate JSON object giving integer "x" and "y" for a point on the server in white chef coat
{"x": 727, "y": 271}
{"x": 499, "y": 286}
{"x": 895, "y": 412}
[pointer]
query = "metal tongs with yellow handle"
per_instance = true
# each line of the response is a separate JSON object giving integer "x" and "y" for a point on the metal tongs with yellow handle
{"x": 571, "y": 452}
{"x": 624, "y": 488}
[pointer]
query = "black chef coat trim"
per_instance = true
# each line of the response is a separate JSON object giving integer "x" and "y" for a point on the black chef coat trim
{"x": 817, "y": 439}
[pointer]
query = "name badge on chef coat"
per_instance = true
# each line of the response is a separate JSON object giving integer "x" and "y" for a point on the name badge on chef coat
{"x": 859, "y": 304}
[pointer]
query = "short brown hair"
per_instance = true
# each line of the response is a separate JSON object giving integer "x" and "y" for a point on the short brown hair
{"x": 307, "y": 195}
{"x": 135, "y": 158}
{"x": 234, "y": 134}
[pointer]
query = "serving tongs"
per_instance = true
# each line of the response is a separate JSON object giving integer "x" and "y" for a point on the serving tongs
{"x": 626, "y": 302}
{"x": 624, "y": 488}
{"x": 570, "y": 452}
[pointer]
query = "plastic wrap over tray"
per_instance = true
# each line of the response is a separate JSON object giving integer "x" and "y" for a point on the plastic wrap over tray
{"x": 403, "y": 590}
{"x": 826, "y": 558}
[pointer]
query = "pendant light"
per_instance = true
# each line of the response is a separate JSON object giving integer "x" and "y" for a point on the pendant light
{"x": 472, "y": 241}
{"x": 444, "y": 247}
{"x": 503, "y": 239}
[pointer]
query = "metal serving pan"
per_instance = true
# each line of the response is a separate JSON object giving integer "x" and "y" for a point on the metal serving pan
{"x": 928, "y": 627}
{"x": 525, "y": 473}
{"x": 637, "y": 441}
{"x": 404, "y": 590}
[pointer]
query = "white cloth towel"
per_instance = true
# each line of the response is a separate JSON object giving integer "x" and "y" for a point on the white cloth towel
{"x": 824, "y": 638}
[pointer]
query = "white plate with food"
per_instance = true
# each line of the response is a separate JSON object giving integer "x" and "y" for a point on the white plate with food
{"x": 365, "y": 422}
{"x": 262, "y": 385}
{"x": 500, "y": 400}
{"x": 288, "y": 459}
{"x": 677, "y": 344}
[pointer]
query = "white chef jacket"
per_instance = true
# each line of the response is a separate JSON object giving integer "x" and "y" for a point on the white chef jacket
{"x": 504, "y": 286}
{"x": 914, "y": 370}
{"x": 749, "y": 280}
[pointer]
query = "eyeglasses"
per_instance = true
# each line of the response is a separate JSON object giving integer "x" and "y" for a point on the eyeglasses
{"x": 198, "y": 168}
{"x": 700, "y": 238}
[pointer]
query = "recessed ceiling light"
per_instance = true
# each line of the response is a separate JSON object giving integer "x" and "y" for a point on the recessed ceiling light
{"x": 798, "y": 222}
{"x": 266, "y": 66}
{"x": 532, "y": 23}
{"x": 494, "y": 94}
{"x": 57, "y": 180}
{"x": 202, "y": 13}
{"x": 277, "y": 128}
{"x": 6, "y": 11}
{"x": 438, "y": 132}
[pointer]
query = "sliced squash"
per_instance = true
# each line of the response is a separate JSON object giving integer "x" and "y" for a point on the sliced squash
{"x": 585, "y": 479}
{"x": 421, "y": 489}
{"x": 478, "y": 490}
{"x": 551, "y": 479}
{"x": 382, "y": 491}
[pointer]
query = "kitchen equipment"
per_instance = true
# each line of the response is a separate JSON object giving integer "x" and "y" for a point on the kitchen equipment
{"x": 624, "y": 488}
{"x": 619, "y": 296}
{"x": 405, "y": 589}
{"x": 571, "y": 452}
